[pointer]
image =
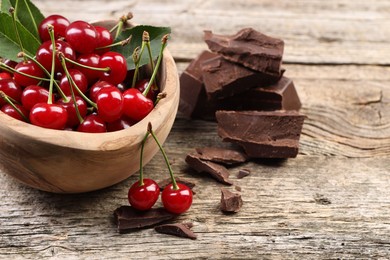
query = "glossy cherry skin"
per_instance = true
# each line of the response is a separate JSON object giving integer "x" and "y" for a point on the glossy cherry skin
{"x": 9, "y": 110}
{"x": 44, "y": 54}
{"x": 92, "y": 124}
{"x": 30, "y": 68}
{"x": 109, "y": 101}
{"x": 11, "y": 89}
{"x": 95, "y": 88}
{"x": 51, "y": 116}
{"x": 9, "y": 63}
{"x": 135, "y": 105}
{"x": 33, "y": 94}
{"x": 82, "y": 36}
{"x": 5, "y": 75}
{"x": 117, "y": 64}
{"x": 91, "y": 60}
{"x": 69, "y": 105}
{"x": 176, "y": 201}
{"x": 78, "y": 78}
{"x": 145, "y": 196}
{"x": 120, "y": 124}
{"x": 59, "y": 23}
{"x": 153, "y": 90}
{"x": 104, "y": 39}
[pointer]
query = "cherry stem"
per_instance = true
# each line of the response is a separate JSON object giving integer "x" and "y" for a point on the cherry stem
{"x": 50, "y": 29}
{"x": 119, "y": 26}
{"x": 159, "y": 97}
{"x": 136, "y": 62}
{"x": 141, "y": 168}
{"x": 164, "y": 42}
{"x": 107, "y": 69}
{"x": 146, "y": 38}
{"x": 174, "y": 184}
{"x": 12, "y": 12}
{"x": 10, "y": 101}
{"x": 63, "y": 96}
{"x": 72, "y": 83}
{"x": 120, "y": 43}
{"x": 3, "y": 65}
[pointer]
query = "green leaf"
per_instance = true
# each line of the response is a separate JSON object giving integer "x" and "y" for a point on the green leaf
{"x": 155, "y": 34}
{"x": 5, "y": 5}
{"x": 28, "y": 15}
{"x": 9, "y": 44}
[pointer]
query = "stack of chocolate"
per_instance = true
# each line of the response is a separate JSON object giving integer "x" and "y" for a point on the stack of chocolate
{"x": 240, "y": 84}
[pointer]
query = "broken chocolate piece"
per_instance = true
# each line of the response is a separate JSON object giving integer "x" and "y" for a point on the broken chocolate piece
{"x": 230, "y": 202}
{"x": 221, "y": 155}
{"x": 243, "y": 173}
{"x": 217, "y": 171}
{"x": 262, "y": 134}
{"x": 192, "y": 93}
{"x": 180, "y": 230}
{"x": 127, "y": 218}
{"x": 162, "y": 184}
{"x": 250, "y": 48}
{"x": 224, "y": 79}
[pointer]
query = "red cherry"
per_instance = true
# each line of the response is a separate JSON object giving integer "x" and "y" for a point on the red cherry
{"x": 104, "y": 39}
{"x": 145, "y": 196}
{"x": 33, "y": 94}
{"x": 91, "y": 60}
{"x": 11, "y": 89}
{"x": 135, "y": 105}
{"x": 49, "y": 116}
{"x": 82, "y": 36}
{"x": 120, "y": 124}
{"x": 44, "y": 54}
{"x": 59, "y": 23}
{"x": 78, "y": 78}
{"x": 30, "y": 68}
{"x": 11, "y": 111}
{"x": 176, "y": 201}
{"x": 9, "y": 63}
{"x": 5, "y": 75}
{"x": 73, "y": 120}
{"x": 117, "y": 64}
{"x": 109, "y": 101}
{"x": 96, "y": 88}
{"x": 153, "y": 91}
{"x": 92, "y": 124}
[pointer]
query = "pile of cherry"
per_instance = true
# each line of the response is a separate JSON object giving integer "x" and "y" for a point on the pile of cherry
{"x": 75, "y": 82}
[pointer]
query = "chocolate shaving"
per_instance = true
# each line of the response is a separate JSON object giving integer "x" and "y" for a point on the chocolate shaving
{"x": 127, "y": 218}
{"x": 217, "y": 171}
{"x": 221, "y": 155}
{"x": 243, "y": 173}
{"x": 230, "y": 202}
{"x": 179, "y": 229}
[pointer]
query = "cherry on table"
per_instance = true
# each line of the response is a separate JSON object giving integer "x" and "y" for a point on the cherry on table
{"x": 117, "y": 65}
{"x": 11, "y": 89}
{"x": 51, "y": 116}
{"x": 82, "y": 36}
{"x": 34, "y": 94}
{"x": 30, "y": 68}
{"x": 177, "y": 201}
{"x": 109, "y": 101}
{"x": 135, "y": 105}
{"x": 143, "y": 197}
{"x": 92, "y": 124}
{"x": 11, "y": 111}
{"x": 59, "y": 23}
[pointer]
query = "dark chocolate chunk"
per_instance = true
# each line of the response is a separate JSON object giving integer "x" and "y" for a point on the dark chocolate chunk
{"x": 250, "y": 48}
{"x": 224, "y": 79}
{"x": 221, "y": 155}
{"x": 262, "y": 134}
{"x": 162, "y": 184}
{"x": 230, "y": 202}
{"x": 127, "y": 218}
{"x": 217, "y": 171}
{"x": 193, "y": 98}
{"x": 180, "y": 230}
{"x": 243, "y": 173}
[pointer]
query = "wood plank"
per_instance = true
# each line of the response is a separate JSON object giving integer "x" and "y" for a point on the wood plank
{"x": 325, "y": 32}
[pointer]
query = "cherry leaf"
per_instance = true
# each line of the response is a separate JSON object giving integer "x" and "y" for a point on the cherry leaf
{"x": 155, "y": 34}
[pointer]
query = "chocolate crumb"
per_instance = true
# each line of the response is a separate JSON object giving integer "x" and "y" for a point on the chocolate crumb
{"x": 230, "y": 202}
{"x": 221, "y": 155}
{"x": 179, "y": 229}
{"x": 237, "y": 188}
{"x": 127, "y": 218}
{"x": 243, "y": 173}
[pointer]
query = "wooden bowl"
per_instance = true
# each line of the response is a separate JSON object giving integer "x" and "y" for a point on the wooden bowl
{"x": 73, "y": 162}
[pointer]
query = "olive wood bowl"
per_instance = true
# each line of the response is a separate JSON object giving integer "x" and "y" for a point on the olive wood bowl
{"x": 62, "y": 161}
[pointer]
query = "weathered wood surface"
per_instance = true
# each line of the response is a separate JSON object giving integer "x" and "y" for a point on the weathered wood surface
{"x": 331, "y": 202}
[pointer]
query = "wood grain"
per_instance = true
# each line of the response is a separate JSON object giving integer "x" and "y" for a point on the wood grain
{"x": 331, "y": 202}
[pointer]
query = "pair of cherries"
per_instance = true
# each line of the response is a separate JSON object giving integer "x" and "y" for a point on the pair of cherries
{"x": 143, "y": 194}
{"x": 90, "y": 78}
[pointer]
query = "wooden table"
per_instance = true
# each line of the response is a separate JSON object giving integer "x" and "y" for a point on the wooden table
{"x": 331, "y": 202}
